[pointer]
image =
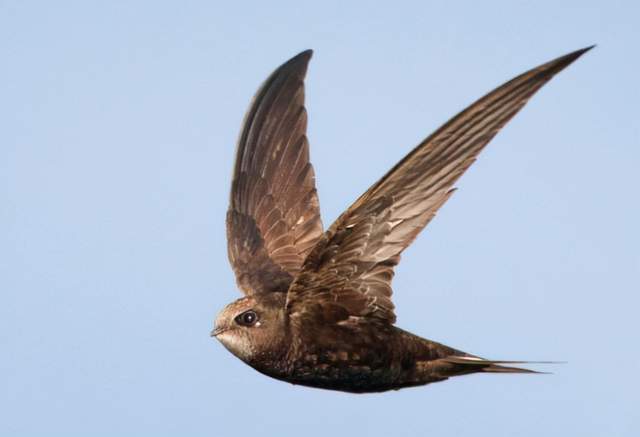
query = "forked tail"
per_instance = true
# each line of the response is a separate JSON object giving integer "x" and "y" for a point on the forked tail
{"x": 477, "y": 364}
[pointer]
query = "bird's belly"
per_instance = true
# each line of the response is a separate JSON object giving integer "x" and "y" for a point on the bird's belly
{"x": 345, "y": 371}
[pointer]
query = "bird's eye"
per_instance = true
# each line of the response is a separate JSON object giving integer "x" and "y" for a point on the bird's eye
{"x": 248, "y": 318}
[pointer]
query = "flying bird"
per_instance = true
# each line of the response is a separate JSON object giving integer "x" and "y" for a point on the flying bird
{"x": 317, "y": 307}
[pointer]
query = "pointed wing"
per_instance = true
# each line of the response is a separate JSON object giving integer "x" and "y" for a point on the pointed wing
{"x": 348, "y": 274}
{"x": 274, "y": 217}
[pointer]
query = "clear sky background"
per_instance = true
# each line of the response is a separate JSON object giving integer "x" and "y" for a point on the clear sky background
{"x": 117, "y": 136}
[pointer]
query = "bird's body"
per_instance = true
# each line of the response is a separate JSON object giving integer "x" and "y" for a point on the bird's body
{"x": 318, "y": 309}
{"x": 367, "y": 360}
{"x": 351, "y": 357}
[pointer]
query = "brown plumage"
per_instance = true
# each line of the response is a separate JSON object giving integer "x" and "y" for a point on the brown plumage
{"x": 318, "y": 308}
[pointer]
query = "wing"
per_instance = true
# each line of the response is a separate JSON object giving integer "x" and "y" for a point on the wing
{"x": 274, "y": 218}
{"x": 347, "y": 276}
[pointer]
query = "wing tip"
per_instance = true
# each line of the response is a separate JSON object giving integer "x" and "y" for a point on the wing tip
{"x": 560, "y": 63}
{"x": 570, "y": 57}
{"x": 301, "y": 59}
{"x": 308, "y": 53}
{"x": 296, "y": 65}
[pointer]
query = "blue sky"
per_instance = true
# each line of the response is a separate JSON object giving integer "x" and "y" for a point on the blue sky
{"x": 119, "y": 121}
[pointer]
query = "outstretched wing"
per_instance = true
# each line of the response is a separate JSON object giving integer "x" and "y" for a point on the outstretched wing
{"x": 347, "y": 276}
{"x": 274, "y": 218}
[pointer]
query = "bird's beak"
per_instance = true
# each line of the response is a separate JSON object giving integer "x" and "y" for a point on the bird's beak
{"x": 218, "y": 331}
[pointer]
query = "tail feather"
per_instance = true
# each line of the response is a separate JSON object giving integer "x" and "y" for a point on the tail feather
{"x": 495, "y": 366}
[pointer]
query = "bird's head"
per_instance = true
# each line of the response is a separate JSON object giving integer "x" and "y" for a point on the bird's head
{"x": 253, "y": 327}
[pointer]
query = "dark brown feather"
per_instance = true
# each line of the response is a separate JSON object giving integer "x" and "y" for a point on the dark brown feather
{"x": 352, "y": 265}
{"x": 274, "y": 218}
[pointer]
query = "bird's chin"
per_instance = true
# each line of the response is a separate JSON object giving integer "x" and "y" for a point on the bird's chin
{"x": 235, "y": 344}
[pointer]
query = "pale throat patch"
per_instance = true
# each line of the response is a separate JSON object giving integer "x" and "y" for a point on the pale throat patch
{"x": 238, "y": 345}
